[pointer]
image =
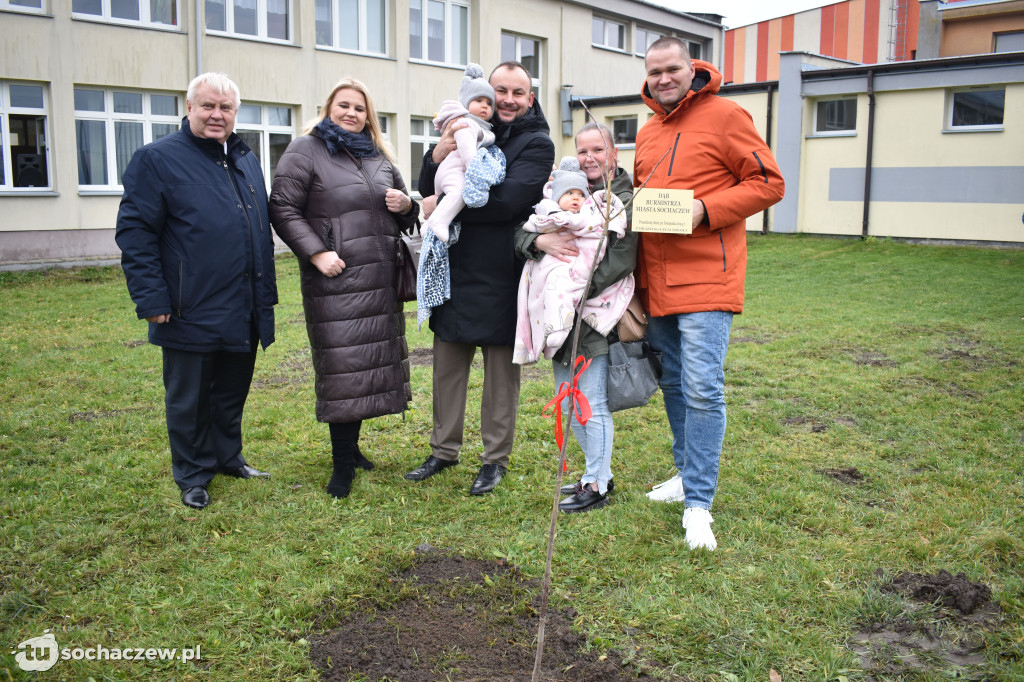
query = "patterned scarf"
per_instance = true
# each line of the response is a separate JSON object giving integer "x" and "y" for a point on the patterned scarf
{"x": 359, "y": 144}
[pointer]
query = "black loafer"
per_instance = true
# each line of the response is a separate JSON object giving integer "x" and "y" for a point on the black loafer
{"x": 584, "y": 499}
{"x": 246, "y": 471}
{"x": 570, "y": 488}
{"x": 431, "y": 466}
{"x": 196, "y": 497}
{"x": 488, "y": 479}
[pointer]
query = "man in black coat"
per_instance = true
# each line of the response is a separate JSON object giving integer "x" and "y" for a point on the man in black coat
{"x": 198, "y": 259}
{"x": 485, "y": 283}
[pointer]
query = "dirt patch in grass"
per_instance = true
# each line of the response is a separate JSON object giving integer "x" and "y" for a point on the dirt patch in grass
{"x": 847, "y": 476}
{"x": 421, "y": 357}
{"x": 102, "y": 414}
{"x": 538, "y": 372}
{"x": 945, "y": 643}
{"x": 872, "y": 359}
{"x": 460, "y": 619}
{"x": 806, "y": 423}
{"x": 135, "y": 343}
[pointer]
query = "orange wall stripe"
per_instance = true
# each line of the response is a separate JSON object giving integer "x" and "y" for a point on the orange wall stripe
{"x": 762, "y": 51}
{"x": 787, "y": 32}
{"x": 828, "y": 29}
{"x": 730, "y": 45}
{"x": 871, "y": 19}
{"x": 842, "y": 29}
{"x": 774, "y": 45}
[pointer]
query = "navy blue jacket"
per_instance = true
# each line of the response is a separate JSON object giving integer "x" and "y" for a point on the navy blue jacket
{"x": 484, "y": 268}
{"x": 195, "y": 243}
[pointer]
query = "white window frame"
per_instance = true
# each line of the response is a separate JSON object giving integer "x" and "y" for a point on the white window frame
{"x": 265, "y": 130}
{"x": 951, "y": 103}
{"x": 846, "y": 132}
{"x": 431, "y": 137}
{"x": 449, "y": 44}
{"x": 144, "y": 19}
{"x": 690, "y": 44}
{"x": 611, "y": 126}
{"x": 261, "y": 23}
{"x": 641, "y": 49}
{"x": 8, "y": 6}
{"x": 363, "y": 39}
{"x": 384, "y": 121}
{"x": 607, "y": 25}
{"x": 109, "y": 117}
{"x": 537, "y": 78}
{"x": 7, "y": 185}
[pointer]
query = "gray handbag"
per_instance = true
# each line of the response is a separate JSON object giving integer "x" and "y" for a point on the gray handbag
{"x": 633, "y": 373}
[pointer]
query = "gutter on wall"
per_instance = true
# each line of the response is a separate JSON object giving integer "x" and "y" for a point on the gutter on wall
{"x": 768, "y": 141}
{"x": 199, "y": 39}
{"x": 870, "y": 144}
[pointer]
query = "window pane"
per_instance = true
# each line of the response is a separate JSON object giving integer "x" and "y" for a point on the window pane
{"x": 597, "y": 32}
{"x": 277, "y": 19}
{"x": 245, "y": 17}
{"x": 624, "y": 130}
{"x": 324, "y": 26}
{"x": 163, "y": 12}
{"x": 163, "y": 130}
{"x": 92, "y": 152}
{"x": 530, "y": 56}
{"x": 28, "y": 151}
{"x": 978, "y": 108}
{"x": 163, "y": 105}
{"x": 28, "y": 96}
{"x": 125, "y": 9}
{"x": 460, "y": 34}
{"x": 215, "y": 15}
{"x": 416, "y": 127}
{"x": 127, "y": 103}
{"x": 695, "y": 50}
{"x": 278, "y": 143}
{"x": 508, "y": 47}
{"x": 415, "y": 29}
{"x": 620, "y": 40}
{"x": 1010, "y": 42}
{"x": 348, "y": 24}
{"x": 382, "y": 121}
{"x": 376, "y": 27}
{"x": 87, "y": 6}
{"x": 435, "y": 31}
{"x": 127, "y": 138}
{"x": 279, "y": 116}
{"x": 416, "y": 151}
{"x": 249, "y": 113}
{"x": 836, "y": 115}
{"x": 26, "y": 3}
{"x": 88, "y": 100}
{"x": 252, "y": 138}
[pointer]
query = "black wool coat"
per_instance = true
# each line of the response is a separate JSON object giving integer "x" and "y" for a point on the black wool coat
{"x": 484, "y": 267}
{"x": 355, "y": 323}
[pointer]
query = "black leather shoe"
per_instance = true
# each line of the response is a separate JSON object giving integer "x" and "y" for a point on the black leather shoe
{"x": 488, "y": 479}
{"x": 196, "y": 497}
{"x": 570, "y": 488}
{"x": 584, "y": 499}
{"x": 430, "y": 467}
{"x": 246, "y": 471}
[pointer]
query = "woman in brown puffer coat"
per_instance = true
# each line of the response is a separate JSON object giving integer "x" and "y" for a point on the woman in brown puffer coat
{"x": 339, "y": 203}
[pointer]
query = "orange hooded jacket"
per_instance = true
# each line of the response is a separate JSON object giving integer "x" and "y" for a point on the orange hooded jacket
{"x": 712, "y": 148}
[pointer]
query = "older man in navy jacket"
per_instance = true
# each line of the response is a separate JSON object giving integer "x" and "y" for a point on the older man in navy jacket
{"x": 198, "y": 258}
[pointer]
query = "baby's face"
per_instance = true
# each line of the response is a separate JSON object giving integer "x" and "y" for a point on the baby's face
{"x": 481, "y": 107}
{"x": 571, "y": 201}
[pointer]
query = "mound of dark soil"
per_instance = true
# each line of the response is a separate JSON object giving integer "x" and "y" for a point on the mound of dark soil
{"x": 460, "y": 619}
{"x": 953, "y": 592}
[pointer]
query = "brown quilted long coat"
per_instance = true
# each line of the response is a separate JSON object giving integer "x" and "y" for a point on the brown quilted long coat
{"x": 354, "y": 321}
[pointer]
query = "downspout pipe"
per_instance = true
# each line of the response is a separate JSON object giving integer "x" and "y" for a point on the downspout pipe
{"x": 870, "y": 144}
{"x": 768, "y": 141}
{"x": 199, "y": 38}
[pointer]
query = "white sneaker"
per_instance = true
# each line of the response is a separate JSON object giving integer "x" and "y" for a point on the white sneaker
{"x": 669, "y": 491}
{"x": 697, "y": 522}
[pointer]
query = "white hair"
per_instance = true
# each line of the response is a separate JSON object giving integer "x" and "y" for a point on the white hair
{"x": 218, "y": 82}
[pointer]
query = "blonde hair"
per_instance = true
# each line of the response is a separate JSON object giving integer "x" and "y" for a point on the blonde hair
{"x": 371, "y": 114}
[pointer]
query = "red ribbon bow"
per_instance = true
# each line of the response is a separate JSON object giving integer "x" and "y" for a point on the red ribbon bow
{"x": 578, "y": 401}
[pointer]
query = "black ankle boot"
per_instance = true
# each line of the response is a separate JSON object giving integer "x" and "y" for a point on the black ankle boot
{"x": 342, "y": 477}
{"x": 362, "y": 462}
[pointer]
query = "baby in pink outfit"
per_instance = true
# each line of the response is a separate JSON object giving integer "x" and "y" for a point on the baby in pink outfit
{"x": 475, "y": 106}
{"x": 550, "y": 289}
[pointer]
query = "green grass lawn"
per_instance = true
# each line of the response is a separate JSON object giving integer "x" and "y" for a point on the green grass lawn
{"x": 904, "y": 362}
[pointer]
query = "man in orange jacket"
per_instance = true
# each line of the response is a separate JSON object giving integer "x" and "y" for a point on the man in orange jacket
{"x": 692, "y": 285}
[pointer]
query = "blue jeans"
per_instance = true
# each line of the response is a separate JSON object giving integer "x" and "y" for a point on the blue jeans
{"x": 693, "y": 347}
{"x": 595, "y": 437}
